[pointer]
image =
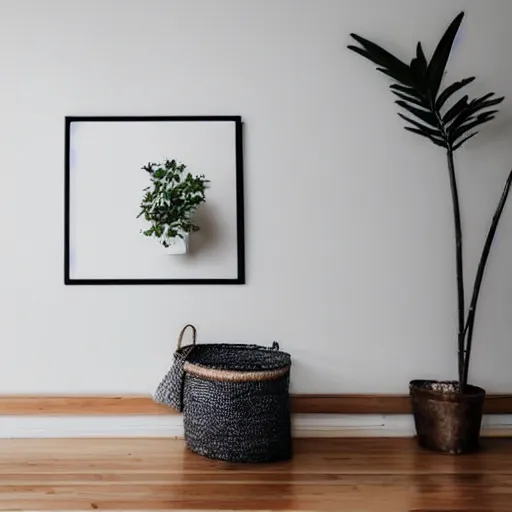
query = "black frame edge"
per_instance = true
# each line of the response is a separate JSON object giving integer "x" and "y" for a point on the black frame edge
{"x": 240, "y": 212}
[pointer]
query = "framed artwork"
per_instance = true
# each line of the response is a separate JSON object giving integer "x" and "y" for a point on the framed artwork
{"x": 154, "y": 200}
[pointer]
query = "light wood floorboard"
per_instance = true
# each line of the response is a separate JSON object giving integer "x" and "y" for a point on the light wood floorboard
{"x": 352, "y": 475}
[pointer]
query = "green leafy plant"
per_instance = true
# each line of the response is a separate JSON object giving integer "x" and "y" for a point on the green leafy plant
{"x": 171, "y": 200}
{"x": 436, "y": 114}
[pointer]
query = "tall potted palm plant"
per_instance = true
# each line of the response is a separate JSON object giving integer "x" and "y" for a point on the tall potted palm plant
{"x": 447, "y": 414}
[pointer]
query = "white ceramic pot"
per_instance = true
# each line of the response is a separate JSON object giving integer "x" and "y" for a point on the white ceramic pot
{"x": 177, "y": 245}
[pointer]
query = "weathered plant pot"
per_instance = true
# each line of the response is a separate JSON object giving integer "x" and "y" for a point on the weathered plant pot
{"x": 446, "y": 420}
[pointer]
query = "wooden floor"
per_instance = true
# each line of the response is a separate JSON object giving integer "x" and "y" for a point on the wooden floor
{"x": 352, "y": 475}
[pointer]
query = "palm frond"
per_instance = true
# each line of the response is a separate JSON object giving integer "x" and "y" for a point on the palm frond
{"x": 411, "y": 99}
{"x": 411, "y": 91}
{"x": 473, "y": 108}
{"x": 464, "y": 140}
{"x": 424, "y": 115}
{"x": 419, "y": 69}
{"x": 437, "y": 64}
{"x": 418, "y": 85}
{"x": 450, "y": 90}
{"x": 461, "y": 105}
{"x": 427, "y": 129}
{"x": 435, "y": 140}
{"x": 400, "y": 70}
{"x": 461, "y": 130}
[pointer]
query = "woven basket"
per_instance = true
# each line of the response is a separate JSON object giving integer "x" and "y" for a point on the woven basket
{"x": 234, "y": 398}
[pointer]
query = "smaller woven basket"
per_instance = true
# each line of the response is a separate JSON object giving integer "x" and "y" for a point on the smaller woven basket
{"x": 234, "y": 398}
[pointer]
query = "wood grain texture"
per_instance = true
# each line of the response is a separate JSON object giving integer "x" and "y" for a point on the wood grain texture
{"x": 79, "y": 405}
{"x": 379, "y": 404}
{"x": 144, "y": 405}
{"x": 351, "y": 404}
{"x": 353, "y": 475}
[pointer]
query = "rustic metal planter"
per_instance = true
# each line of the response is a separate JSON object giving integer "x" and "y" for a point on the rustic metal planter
{"x": 447, "y": 421}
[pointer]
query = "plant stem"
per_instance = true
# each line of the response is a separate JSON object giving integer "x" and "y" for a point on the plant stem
{"x": 478, "y": 280}
{"x": 459, "y": 261}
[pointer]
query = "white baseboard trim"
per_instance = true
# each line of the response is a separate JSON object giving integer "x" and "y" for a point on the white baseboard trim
{"x": 304, "y": 425}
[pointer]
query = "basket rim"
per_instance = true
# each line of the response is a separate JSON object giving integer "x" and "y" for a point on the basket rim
{"x": 235, "y": 375}
{"x": 285, "y": 359}
{"x": 235, "y": 346}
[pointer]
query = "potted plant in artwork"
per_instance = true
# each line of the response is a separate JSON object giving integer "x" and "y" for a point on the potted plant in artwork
{"x": 447, "y": 414}
{"x": 170, "y": 203}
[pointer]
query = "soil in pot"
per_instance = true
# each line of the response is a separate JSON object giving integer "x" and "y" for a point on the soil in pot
{"x": 447, "y": 421}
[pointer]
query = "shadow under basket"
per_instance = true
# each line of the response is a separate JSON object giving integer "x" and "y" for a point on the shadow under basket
{"x": 234, "y": 398}
{"x": 447, "y": 421}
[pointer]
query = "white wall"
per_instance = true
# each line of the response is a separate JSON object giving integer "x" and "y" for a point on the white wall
{"x": 349, "y": 227}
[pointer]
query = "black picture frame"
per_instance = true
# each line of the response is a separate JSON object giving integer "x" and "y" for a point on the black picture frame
{"x": 240, "y": 279}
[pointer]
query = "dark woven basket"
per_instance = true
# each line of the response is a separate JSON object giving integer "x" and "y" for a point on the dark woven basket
{"x": 234, "y": 398}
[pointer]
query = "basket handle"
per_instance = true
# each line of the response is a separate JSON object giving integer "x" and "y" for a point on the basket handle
{"x": 182, "y": 332}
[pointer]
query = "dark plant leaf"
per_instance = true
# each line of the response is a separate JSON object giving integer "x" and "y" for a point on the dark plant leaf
{"x": 465, "y": 139}
{"x": 456, "y": 134}
{"x": 410, "y": 99}
{"x": 450, "y": 90}
{"x": 411, "y": 91}
{"x": 425, "y": 116}
{"x": 481, "y": 103}
{"x": 419, "y": 69}
{"x": 482, "y": 99}
{"x": 487, "y": 114}
{"x": 426, "y": 129}
{"x": 489, "y": 103}
{"x": 382, "y": 57}
{"x": 395, "y": 76}
{"x": 436, "y": 141}
{"x": 441, "y": 55}
{"x": 418, "y": 75}
{"x": 362, "y": 52}
{"x": 416, "y": 69}
{"x": 484, "y": 118}
{"x": 420, "y": 55}
{"x": 474, "y": 107}
{"x": 456, "y": 110}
